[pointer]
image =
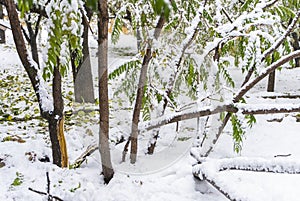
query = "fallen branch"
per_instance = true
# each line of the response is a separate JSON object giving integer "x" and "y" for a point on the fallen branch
{"x": 277, "y": 165}
{"x": 90, "y": 149}
{"x": 209, "y": 169}
{"x": 281, "y": 96}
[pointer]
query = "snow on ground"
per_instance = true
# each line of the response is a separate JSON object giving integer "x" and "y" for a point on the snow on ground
{"x": 166, "y": 175}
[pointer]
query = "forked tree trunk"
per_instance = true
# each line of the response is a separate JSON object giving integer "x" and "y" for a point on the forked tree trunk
{"x": 104, "y": 149}
{"x": 32, "y": 36}
{"x": 54, "y": 118}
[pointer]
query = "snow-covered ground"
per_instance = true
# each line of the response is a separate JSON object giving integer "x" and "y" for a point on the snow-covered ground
{"x": 167, "y": 175}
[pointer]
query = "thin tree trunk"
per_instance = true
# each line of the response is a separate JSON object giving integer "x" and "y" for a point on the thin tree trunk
{"x": 23, "y": 53}
{"x": 140, "y": 92}
{"x": 295, "y": 45}
{"x": 2, "y": 32}
{"x": 31, "y": 38}
{"x": 271, "y": 82}
{"x": 104, "y": 149}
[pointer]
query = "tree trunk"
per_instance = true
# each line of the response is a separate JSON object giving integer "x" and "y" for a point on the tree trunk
{"x": 295, "y": 45}
{"x": 2, "y": 32}
{"x": 140, "y": 91}
{"x": 104, "y": 149}
{"x": 54, "y": 118}
{"x": 59, "y": 148}
{"x": 82, "y": 74}
{"x": 271, "y": 82}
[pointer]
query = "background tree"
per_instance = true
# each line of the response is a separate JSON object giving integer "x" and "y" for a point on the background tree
{"x": 2, "y": 32}
{"x": 81, "y": 68}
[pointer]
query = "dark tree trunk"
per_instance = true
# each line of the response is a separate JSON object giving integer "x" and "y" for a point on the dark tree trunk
{"x": 140, "y": 92}
{"x": 82, "y": 74}
{"x": 104, "y": 149}
{"x": 271, "y": 82}
{"x": 59, "y": 149}
{"x": 138, "y": 105}
{"x": 2, "y": 32}
{"x": 295, "y": 45}
{"x": 56, "y": 153}
{"x": 32, "y": 36}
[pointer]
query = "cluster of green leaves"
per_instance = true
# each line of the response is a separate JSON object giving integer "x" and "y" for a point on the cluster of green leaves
{"x": 18, "y": 180}
{"x": 124, "y": 68}
{"x": 129, "y": 80}
{"x": 24, "y": 6}
{"x": 64, "y": 36}
{"x": 237, "y": 133}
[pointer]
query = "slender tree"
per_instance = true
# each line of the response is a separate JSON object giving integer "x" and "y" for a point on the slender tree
{"x": 104, "y": 149}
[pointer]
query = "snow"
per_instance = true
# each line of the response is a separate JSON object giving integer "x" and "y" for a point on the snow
{"x": 167, "y": 175}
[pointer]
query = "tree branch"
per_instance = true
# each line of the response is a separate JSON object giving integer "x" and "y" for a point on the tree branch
{"x": 208, "y": 170}
{"x": 274, "y": 46}
{"x": 90, "y": 149}
{"x": 254, "y": 109}
{"x": 267, "y": 71}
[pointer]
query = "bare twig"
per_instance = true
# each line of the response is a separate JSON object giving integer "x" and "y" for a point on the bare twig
{"x": 50, "y": 197}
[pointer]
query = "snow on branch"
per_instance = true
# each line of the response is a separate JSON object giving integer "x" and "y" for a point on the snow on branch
{"x": 282, "y": 38}
{"x": 232, "y": 108}
{"x": 275, "y": 45}
{"x": 211, "y": 167}
{"x": 209, "y": 170}
{"x": 250, "y": 84}
{"x": 180, "y": 116}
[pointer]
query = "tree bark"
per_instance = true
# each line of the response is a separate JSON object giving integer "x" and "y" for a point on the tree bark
{"x": 295, "y": 45}
{"x": 32, "y": 36}
{"x": 23, "y": 53}
{"x": 140, "y": 91}
{"x": 271, "y": 82}
{"x": 104, "y": 149}
{"x": 2, "y": 32}
{"x": 59, "y": 148}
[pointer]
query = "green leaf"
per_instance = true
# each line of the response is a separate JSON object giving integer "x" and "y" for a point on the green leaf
{"x": 18, "y": 180}
{"x": 124, "y": 68}
{"x": 237, "y": 133}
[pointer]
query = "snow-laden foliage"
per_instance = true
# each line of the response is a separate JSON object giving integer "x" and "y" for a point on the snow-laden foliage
{"x": 200, "y": 42}
{"x": 64, "y": 33}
